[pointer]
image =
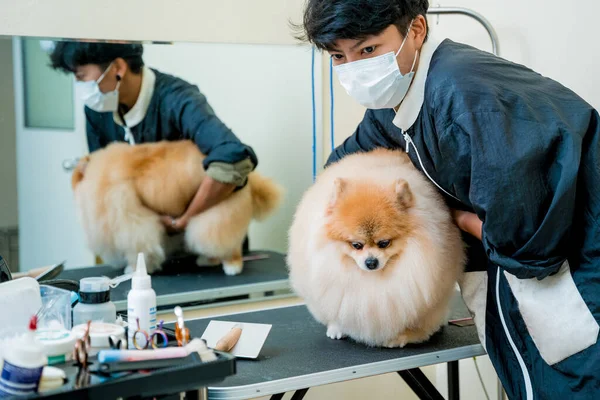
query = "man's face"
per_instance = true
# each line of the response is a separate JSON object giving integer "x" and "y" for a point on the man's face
{"x": 390, "y": 40}
{"x": 93, "y": 72}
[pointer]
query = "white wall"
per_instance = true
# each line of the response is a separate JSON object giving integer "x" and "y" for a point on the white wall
{"x": 49, "y": 231}
{"x": 209, "y": 21}
{"x": 8, "y": 146}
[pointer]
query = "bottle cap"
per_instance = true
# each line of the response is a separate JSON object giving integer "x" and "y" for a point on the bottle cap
{"x": 94, "y": 290}
{"x": 141, "y": 279}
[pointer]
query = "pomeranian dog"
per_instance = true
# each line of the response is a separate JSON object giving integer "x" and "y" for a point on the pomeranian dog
{"x": 121, "y": 192}
{"x": 374, "y": 252}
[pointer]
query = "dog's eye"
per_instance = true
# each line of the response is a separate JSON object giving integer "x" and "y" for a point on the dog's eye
{"x": 383, "y": 244}
{"x": 357, "y": 246}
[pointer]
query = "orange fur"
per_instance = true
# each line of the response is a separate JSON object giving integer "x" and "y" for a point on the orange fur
{"x": 395, "y": 287}
{"x": 122, "y": 190}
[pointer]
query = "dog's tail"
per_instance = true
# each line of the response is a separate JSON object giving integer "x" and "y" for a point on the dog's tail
{"x": 266, "y": 195}
{"x": 79, "y": 171}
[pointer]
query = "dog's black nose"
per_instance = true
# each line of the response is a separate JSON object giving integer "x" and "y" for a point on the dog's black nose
{"x": 372, "y": 263}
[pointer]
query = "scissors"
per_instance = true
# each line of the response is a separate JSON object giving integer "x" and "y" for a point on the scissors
{"x": 80, "y": 355}
{"x": 150, "y": 338}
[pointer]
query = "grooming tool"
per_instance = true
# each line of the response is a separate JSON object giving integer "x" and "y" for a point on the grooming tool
{"x": 462, "y": 322}
{"x": 255, "y": 257}
{"x": 82, "y": 347}
{"x": 228, "y": 342}
{"x": 128, "y": 356}
{"x": 52, "y": 272}
{"x": 248, "y": 344}
{"x": 150, "y": 339}
{"x": 182, "y": 334}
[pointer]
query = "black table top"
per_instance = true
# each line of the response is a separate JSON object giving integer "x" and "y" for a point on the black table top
{"x": 298, "y": 354}
{"x": 190, "y": 374}
{"x": 182, "y": 281}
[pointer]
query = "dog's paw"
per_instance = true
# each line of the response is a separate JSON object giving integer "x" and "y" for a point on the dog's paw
{"x": 399, "y": 341}
{"x": 203, "y": 261}
{"x": 232, "y": 269}
{"x": 333, "y": 332}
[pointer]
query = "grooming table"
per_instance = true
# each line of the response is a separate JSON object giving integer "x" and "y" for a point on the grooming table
{"x": 298, "y": 355}
{"x": 184, "y": 283}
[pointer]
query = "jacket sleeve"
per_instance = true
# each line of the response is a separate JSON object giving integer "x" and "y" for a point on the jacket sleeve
{"x": 375, "y": 130}
{"x": 227, "y": 159}
{"x": 95, "y": 139}
{"x": 523, "y": 184}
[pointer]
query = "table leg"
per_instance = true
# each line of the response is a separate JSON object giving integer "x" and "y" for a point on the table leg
{"x": 453, "y": 381}
{"x": 299, "y": 395}
{"x": 420, "y": 385}
{"x": 200, "y": 394}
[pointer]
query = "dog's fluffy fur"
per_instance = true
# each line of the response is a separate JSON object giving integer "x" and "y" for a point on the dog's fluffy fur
{"x": 383, "y": 294}
{"x": 121, "y": 191}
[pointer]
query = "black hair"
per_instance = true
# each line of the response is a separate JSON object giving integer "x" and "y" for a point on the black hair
{"x": 67, "y": 56}
{"x": 326, "y": 21}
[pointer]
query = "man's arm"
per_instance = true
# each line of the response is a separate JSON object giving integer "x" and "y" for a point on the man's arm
{"x": 210, "y": 193}
{"x": 94, "y": 138}
{"x": 523, "y": 187}
{"x": 375, "y": 130}
{"x": 228, "y": 161}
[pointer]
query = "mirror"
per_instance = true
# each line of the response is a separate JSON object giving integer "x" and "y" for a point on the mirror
{"x": 263, "y": 93}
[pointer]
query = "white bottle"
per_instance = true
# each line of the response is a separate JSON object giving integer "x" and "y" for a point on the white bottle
{"x": 141, "y": 304}
{"x": 94, "y": 302}
{"x": 24, "y": 361}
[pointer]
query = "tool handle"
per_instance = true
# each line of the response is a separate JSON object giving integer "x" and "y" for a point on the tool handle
{"x": 228, "y": 342}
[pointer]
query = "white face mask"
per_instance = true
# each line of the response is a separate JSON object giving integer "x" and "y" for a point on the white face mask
{"x": 376, "y": 82}
{"x": 95, "y": 99}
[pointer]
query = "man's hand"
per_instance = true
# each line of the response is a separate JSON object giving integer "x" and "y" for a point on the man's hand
{"x": 174, "y": 225}
{"x": 468, "y": 222}
{"x": 209, "y": 193}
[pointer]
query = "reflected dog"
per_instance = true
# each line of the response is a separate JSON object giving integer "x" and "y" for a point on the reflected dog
{"x": 121, "y": 191}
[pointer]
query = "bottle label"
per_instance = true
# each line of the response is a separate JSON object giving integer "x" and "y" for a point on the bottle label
{"x": 16, "y": 381}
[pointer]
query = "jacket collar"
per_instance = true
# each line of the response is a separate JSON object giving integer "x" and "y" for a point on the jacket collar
{"x": 413, "y": 102}
{"x": 137, "y": 113}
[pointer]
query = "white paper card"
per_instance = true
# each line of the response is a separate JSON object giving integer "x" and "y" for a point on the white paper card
{"x": 251, "y": 341}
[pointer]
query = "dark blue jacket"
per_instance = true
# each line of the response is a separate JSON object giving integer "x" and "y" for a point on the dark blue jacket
{"x": 177, "y": 110}
{"x": 523, "y": 153}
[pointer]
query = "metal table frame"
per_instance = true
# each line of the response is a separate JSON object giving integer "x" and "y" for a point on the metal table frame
{"x": 476, "y": 16}
{"x": 408, "y": 368}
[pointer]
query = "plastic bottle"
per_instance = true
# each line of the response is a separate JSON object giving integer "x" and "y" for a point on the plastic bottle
{"x": 94, "y": 302}
{"x": 24, "y": 361}
{"x": 141, "y": 303}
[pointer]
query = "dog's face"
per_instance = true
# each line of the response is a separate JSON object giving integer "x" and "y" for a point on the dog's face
{"x": 369, "y": 222}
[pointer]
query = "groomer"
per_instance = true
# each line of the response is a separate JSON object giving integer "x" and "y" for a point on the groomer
{"x": 517, "y": 153}
{"x": 127, "y": 101}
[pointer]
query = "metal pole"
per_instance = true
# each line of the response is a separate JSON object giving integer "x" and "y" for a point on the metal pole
{"x": 475, "y": 15}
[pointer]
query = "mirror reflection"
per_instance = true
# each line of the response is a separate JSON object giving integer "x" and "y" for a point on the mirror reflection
{"x": 166, "y": 149}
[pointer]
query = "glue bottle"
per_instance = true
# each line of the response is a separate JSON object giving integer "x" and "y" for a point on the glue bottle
{"x": 24, "y": 361}
{"x": 141, "y": 304}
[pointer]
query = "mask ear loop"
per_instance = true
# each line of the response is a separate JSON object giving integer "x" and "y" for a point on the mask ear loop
{"x": 405, "y": 38}
{"x": 105, "y": 72}
{"x": 414, "y": 61}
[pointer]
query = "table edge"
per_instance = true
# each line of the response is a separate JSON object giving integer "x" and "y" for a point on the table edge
{"x": 344, "y": 374}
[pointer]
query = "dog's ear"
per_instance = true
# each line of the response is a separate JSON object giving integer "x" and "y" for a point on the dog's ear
{"x": 339, "y": 185}
{"x": 403, "y": 194}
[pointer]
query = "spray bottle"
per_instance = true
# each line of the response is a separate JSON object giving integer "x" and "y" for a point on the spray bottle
{"x": 141, "y": 303}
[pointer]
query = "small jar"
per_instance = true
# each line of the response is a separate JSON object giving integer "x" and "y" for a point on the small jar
{"x": 94, "y": 302}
